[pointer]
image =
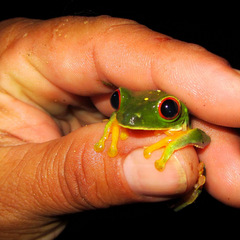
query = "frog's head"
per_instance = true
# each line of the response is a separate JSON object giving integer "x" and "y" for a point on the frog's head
{"x": 149, "y": 110}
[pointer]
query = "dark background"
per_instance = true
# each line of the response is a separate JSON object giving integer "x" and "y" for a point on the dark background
{"x": 215, "y": 28}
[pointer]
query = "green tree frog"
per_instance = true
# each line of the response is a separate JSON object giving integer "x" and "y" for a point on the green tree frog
{"x": 153, "y": 110}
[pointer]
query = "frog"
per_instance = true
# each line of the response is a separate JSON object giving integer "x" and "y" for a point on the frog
{"x": 154, "y": 110}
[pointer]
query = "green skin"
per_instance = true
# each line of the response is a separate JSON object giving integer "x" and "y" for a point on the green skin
{"x": 139, "y": 110}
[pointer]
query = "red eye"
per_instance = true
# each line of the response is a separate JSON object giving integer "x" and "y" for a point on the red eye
{"x": 169, "y": 108}
{"x": 116, "y": 99}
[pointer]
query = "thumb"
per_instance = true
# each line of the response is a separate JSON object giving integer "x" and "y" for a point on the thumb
{"x": 66, "y": 175}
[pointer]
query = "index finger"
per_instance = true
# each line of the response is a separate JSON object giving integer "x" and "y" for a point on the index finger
{"x": 78, "y": 54}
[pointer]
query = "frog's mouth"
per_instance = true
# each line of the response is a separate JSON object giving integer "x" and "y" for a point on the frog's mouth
{"x": 181, "y": 128}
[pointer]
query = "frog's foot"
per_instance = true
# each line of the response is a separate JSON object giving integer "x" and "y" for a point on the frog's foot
{"x": 175, "y": 141}
{"x": 170, "y": 148}
{"x": 111, "y": 127}
{"x": 193, "y": 195}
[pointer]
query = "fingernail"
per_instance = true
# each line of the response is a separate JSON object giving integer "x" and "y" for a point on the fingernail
{"x": 144, "y": 179}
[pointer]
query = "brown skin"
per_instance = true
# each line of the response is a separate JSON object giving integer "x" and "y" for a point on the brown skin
{"x": 52, "y": 72}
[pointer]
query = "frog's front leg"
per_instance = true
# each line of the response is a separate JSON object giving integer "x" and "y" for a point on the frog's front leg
{"x": 175, "y": 142}
{"x": 111, "y": 127}
{"x": 100, "y": 145}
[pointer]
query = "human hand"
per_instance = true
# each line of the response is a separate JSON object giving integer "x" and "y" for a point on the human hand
{"x": 51, "y": 73}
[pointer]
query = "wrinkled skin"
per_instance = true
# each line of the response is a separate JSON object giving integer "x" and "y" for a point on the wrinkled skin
{"x": 56, "y": 73}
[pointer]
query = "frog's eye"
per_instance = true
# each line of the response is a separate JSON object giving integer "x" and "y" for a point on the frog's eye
{"x": 116, "y": 99}
{"x": 169, "y": 108}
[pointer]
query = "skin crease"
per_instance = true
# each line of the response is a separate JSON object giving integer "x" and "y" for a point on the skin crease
{"x": 52, "y": 73}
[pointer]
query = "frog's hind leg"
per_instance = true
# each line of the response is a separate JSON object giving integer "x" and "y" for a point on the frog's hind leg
{"x": 193, "y": 195}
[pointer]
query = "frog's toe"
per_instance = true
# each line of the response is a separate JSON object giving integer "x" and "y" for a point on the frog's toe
{"x": 123, "y": 134}
{"x": 99, "y": 146}
{"x": 201, "y": 176}
{"x": 160, "y": 165}
{"x": 147, "y": 153}
{"x": 113, "y": 152}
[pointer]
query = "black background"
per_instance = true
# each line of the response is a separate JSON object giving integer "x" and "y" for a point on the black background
{"x": 215, "y": 28}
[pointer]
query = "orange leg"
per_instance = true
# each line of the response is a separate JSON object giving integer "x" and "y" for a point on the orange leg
{"x": 171, "y": 137}
{"x": 112, "y": 127}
